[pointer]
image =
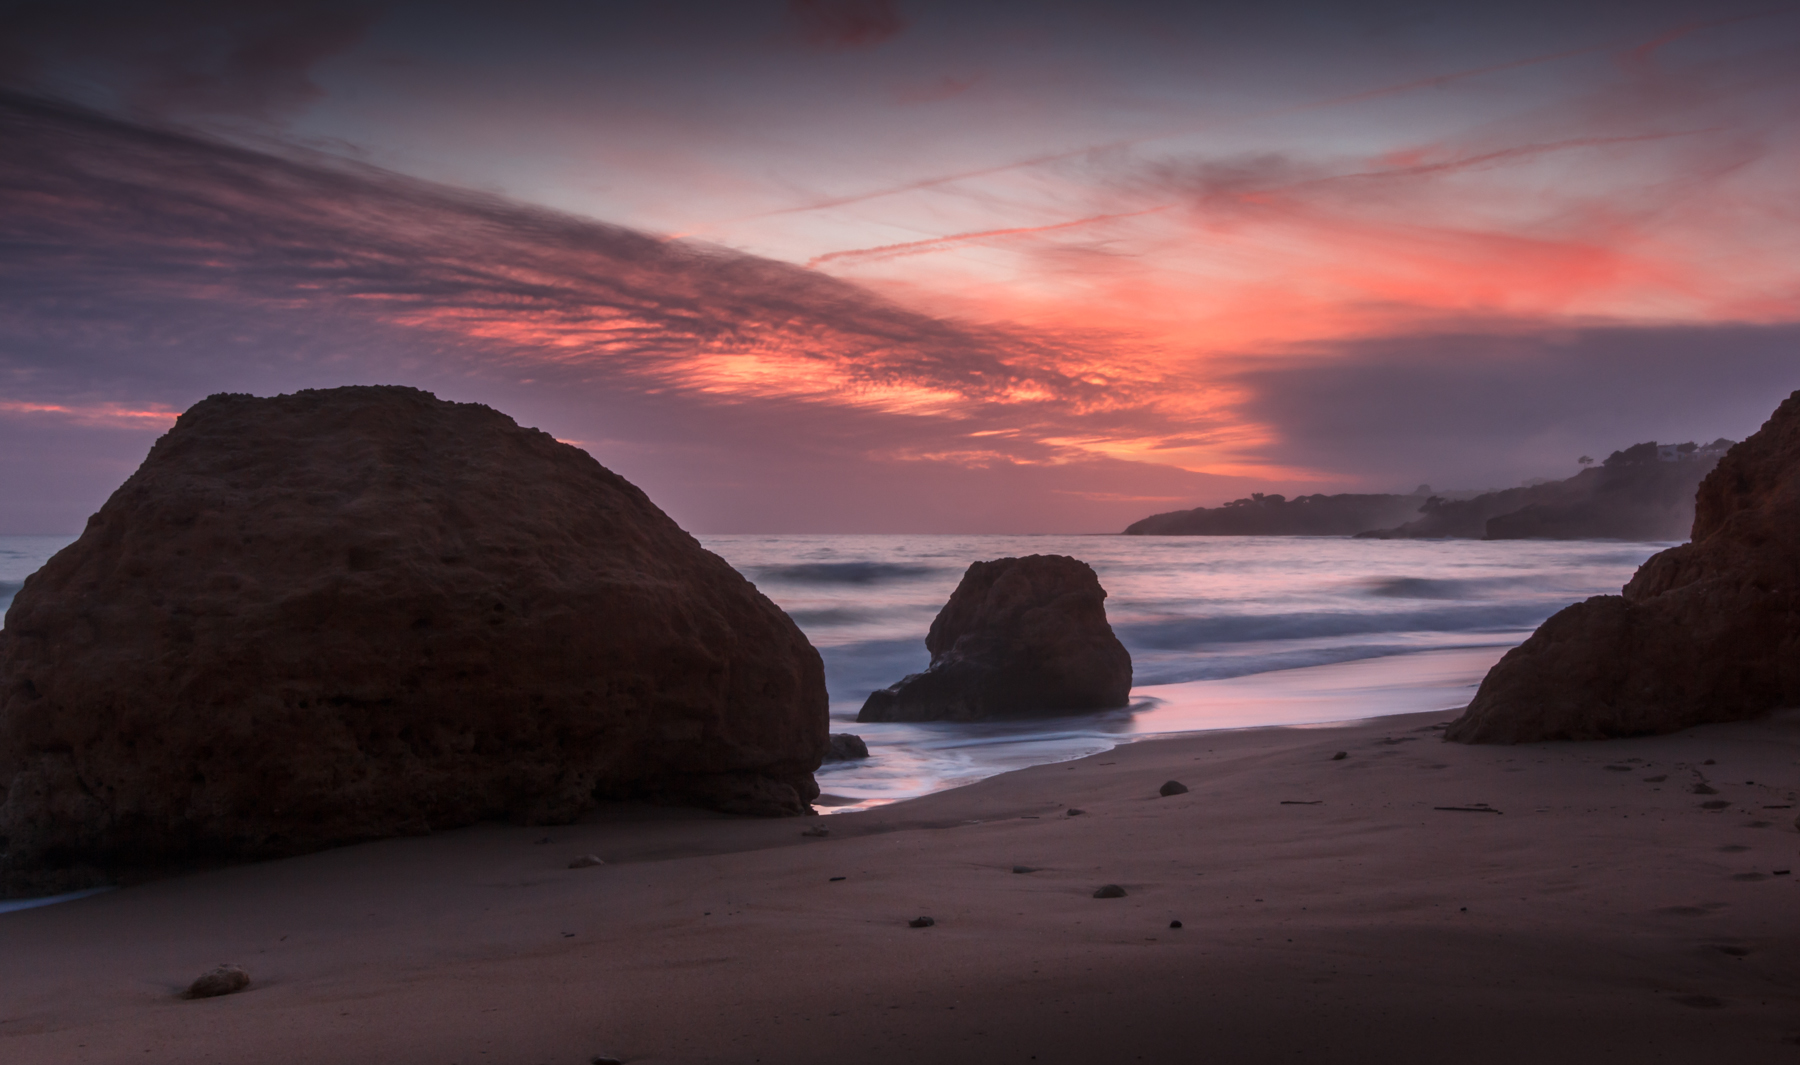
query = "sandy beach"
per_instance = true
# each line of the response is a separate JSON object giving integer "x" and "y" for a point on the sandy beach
{"x": 1359, "y": 909}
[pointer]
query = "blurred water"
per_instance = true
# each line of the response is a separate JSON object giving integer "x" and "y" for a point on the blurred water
{"x": 20, "y": 557}
{"x": 1224, "y": 632}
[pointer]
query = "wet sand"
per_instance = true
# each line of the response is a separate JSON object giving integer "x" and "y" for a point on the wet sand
{"x": 1330, "y": 912}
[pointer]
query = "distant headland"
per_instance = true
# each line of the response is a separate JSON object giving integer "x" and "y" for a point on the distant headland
{"x": 1643, "y": 492}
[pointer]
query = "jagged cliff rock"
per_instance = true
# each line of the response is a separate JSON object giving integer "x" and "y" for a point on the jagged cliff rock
{"x": 1020, "y": 637}
{"x": 346, "y": 614}
{"x": 1708, "y": 631}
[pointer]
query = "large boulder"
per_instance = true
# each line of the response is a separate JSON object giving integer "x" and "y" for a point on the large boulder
{"x": 347, "y": 614}
{"x": 1708, "y": 631}
{"x": 1020, "y": 637}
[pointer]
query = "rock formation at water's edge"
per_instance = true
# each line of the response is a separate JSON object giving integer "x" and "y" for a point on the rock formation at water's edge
{"x": 353, "y": 613}
{"x": 1708, "y": 631}
{"x": 1020, "y": 637}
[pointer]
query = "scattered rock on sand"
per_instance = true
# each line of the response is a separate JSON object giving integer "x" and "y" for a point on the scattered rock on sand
{"x": 1174, "y": 924}
{"x": 1172, "y": 787}
{"x": 1110, "y": 891}
{"x": 586, "y": 861}
{"x": 224, "y": 980}
{"x": 1073, "y": 812}
{"x": 817, "y": 831}
{"x": 845, "y": 747}
{"x": 1340, "y": 756}
{"x": 1708, "y": 631}
{"x": 354, "y": 613}
{"x": 1020, "y": 637}
{"x": 920, "y": 922}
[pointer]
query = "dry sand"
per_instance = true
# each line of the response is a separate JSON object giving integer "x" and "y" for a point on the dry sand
{"x": 1603, "y": 916}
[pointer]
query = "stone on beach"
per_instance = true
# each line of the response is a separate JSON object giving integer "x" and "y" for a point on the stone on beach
{"x": 845, "y": 747}
{"x": 586, "y": 861}
{"x": 354, "y": 613}
{"x": 224, "y": 980}
{"x": 1705, "y": 632}
{"x": 1020, "y": 637}
{"x": 1110, "y": 891}
{"x": 1172, "y": 787}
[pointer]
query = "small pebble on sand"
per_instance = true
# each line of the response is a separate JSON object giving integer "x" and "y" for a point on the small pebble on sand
{"x": 1073, "y": 812}
{"x": 1110, "y": 891}
{"x": 1174, "y": 924}
{"x": 1172, "y": 787}
{"x": 1340, "y": 756}
{"x": 1024, "y": 868}
{"x": 223, "y": 980}
{"x": 586, "y": 861}
{"x": 920, "y": 922}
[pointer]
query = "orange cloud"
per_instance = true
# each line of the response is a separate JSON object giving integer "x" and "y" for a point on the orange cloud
{"x": 97, "y": 414}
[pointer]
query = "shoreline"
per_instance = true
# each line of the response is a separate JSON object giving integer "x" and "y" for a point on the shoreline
{"x": 1328, "y": 906}
{"x": 910, "y": 757}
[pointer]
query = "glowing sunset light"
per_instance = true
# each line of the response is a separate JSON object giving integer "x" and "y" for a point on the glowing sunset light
{"x": 1312, "y": 248}
{"x": 97, "y": 414}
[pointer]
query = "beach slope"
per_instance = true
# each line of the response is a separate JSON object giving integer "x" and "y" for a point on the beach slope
{"x": 1414, "y": 901}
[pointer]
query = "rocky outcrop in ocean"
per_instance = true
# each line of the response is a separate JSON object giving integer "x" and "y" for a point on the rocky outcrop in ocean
{"x": 1708, "y": 631}
{"x": 1020, "y": 637}
{"x": 346, "y": 614}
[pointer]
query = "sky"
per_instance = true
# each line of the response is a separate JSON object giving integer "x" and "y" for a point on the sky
{"x": 898, "y": 266}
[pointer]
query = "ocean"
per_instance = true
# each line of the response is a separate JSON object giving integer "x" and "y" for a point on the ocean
{"x": 1224, "y": 631}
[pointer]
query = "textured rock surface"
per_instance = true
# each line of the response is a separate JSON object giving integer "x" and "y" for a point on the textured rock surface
{"x": 1019, "y": 637}
{"x": 846, "y": 747}
{"x": 223, "y": 980}
{"x": 1708, "y": 631}
{"x": 347, "y": 614}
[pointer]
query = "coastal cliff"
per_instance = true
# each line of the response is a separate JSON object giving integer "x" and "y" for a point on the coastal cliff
{"x": 1643, "y": 492}
{"x": 1705, "y": 632}
{"x": 1276, "y": 515}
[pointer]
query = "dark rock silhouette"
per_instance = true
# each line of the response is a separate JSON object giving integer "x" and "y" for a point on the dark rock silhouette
{"x": 1276, "y": 515}
{"x": 1645, "y": 492}
{"x": 845, "y": 747}
{"x": 1708, "y": 631}
{"x": 1640, "y": 493}
{"x": 347, "y": 614}
{"x": 1020, "y": 637}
